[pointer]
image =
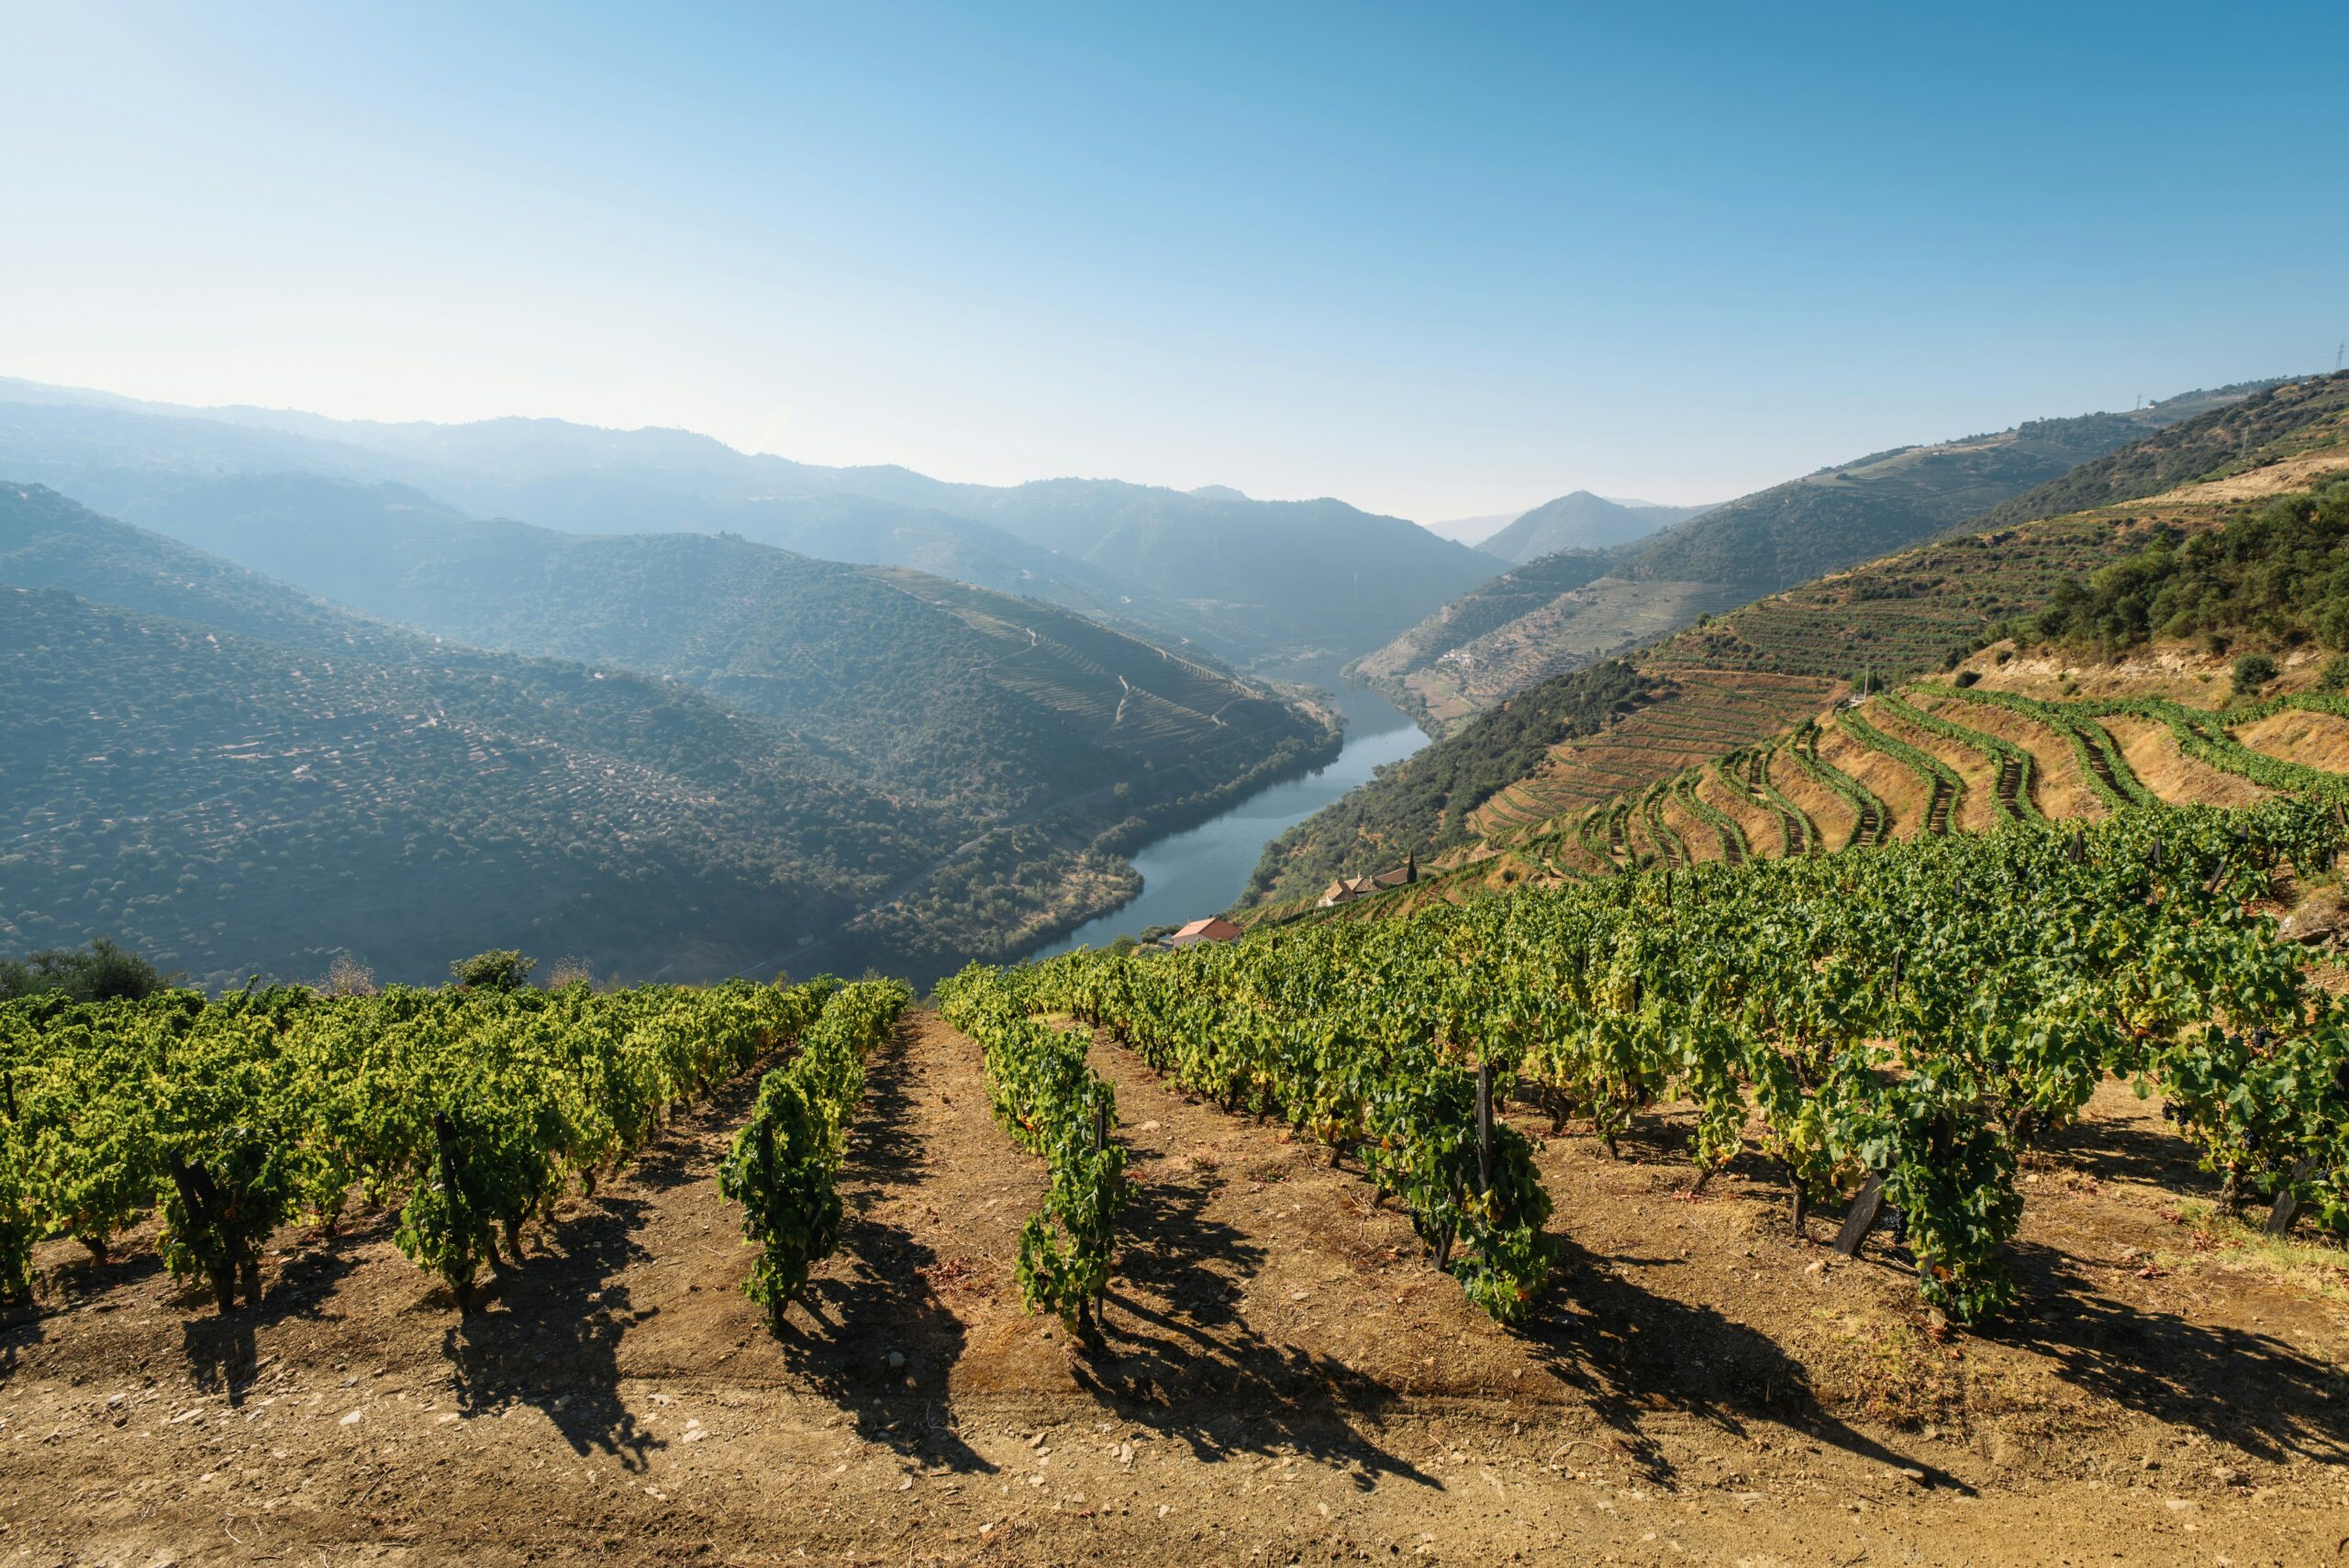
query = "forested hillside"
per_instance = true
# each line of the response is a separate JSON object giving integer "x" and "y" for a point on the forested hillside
{"x": 914, "y": 769}
{"x": 1242, "y": 578}
{"x": 1507, "y": 635}
{"x": 223, "y": 803}
{"x": 1742, "y": 677}
{"x": 937, "y": 691}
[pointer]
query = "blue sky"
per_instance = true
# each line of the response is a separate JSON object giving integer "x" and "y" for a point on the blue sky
{"x": 1439, "y": 260}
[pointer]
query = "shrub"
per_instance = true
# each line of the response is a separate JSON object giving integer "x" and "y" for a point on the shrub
{"x": 571, "y": 972}
{"x": 346, "y": 976}
{"x": 1967, "y": 677}
{"x": 100, "y": 972}
{"x": 2253, "y": 671}
{"x": 499, "y": 969}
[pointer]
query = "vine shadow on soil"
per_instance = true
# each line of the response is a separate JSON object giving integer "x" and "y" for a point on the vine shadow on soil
{"x": 2252, "y": 1391}
{"x": 75, "y": 1279}
{"x": 2112, "y": 1150}
{"x": 221, "y": 1351}
{"x": 555, "y": 1344}
{"x": 551, "y": 1340}
{"x": 880, "y": 1298}
{"x": 1683, "y": 1358}
{"x": 1193, "y": 1369}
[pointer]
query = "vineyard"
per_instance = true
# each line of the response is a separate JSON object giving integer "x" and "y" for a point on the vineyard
{"x": 1892, "y": 1027}
{"x": 468, "y": 1111}
{"x": 1311, "y": 1244}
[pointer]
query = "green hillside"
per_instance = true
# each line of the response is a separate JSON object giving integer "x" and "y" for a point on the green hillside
{"x": 1506, "y": 634}
{"x": 219, "y": 801}
{"x": 928, "y": 770}
{"x": 1742, "y": 676}
{"x": 971, "y": 703}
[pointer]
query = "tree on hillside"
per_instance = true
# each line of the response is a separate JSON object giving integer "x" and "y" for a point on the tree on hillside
{"x": 100, "y": 972}
{"x": 499, "y": 969}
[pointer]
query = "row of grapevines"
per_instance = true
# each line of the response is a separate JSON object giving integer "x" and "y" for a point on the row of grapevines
{"x": 2100, "y": 762}
{"x": 1232, "y": 1024}
{"x": 1798, "y": 834}
{"x": 1727, "y": 829}
{"x": 784, "y": 1167}
{"x": 1047, "y": 1096}
{"x": 1939, "y": 778}
{"x": 1916, "y": 1013}
{"x": 469, "y": 1108}
{"x": 1671, "y": 848}
{"x": 1870, "y": 818}
{"x": 2000, "y": 752}
{"x": 2204, "y": 737}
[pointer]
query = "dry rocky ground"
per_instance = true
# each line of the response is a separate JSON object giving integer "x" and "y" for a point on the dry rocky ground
{"x": 1285, "y": 1379}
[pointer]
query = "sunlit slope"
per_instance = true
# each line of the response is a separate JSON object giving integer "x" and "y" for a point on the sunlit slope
{"x": 1736, "y": 680}
{"x": 1558, "y": 614}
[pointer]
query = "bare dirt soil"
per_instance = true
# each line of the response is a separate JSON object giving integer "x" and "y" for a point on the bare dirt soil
{"x": 1285, "y": 1379}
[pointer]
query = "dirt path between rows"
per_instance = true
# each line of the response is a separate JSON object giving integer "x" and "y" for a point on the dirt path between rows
{"x": 1285, "y": 1379}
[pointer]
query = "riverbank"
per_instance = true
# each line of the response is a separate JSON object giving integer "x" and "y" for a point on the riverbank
{"x": 1203, "y": 869}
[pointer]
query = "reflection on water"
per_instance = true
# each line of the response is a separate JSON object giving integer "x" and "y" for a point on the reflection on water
{"x": 1202, "y": 870}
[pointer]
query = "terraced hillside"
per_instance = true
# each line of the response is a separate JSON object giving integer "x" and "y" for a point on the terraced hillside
{"x": 1553, "y": 615}
{"x": 2208, "y": 670}
{"x": 1930, "y": 757}
{"x": 1700, "y": 716}
{"x": 1741, "y": 677}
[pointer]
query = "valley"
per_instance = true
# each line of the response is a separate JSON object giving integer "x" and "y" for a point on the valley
{"x": 1110, "y": 788}
{"x": 945, "y": 770}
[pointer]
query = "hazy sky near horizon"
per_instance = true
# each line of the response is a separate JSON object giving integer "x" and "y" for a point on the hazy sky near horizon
{"x": 1438, "y": 261}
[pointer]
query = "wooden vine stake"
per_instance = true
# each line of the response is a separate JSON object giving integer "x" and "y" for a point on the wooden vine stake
{"x": 2286, "y": 1211}
{"x": 1865, "y": 1210}
{"x": 1485, "y": 1127}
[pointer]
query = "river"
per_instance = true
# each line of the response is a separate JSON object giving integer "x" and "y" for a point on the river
{"x": 1201, "y": 870}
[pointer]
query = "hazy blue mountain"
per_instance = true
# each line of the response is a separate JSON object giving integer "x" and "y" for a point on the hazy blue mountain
{"x": 947, "y": 771}
{"x": 1244, "y": 578}
{"x": 1581, "y": 521}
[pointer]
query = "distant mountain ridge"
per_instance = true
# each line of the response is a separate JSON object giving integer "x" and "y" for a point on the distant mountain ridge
{"x": 932, "y": 771}
{"x": 1581, "y": 521}
{"x": 1559, "y": 612}
{"x": 1246, "y": 579}
{"x": 930, "y": 689}
{"x": 1608, "y": 729}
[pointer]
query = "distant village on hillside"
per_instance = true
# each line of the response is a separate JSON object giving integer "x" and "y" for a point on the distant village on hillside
{"x": 1346, "y": 889}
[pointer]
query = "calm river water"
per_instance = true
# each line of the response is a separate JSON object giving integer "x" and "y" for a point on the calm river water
{"x": 1201, "y": 870}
